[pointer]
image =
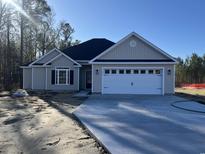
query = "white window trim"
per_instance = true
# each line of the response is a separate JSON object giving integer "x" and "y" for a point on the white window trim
{"x": 132, "y": 71}
{"x": 57, "y": 75}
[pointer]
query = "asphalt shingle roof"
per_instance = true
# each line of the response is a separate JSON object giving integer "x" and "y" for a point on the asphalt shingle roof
{"x": 89, "y": 49}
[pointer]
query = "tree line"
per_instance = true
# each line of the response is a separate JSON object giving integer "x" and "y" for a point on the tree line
{"x": 190, "y": 70}
{"x": 28, "y": 30}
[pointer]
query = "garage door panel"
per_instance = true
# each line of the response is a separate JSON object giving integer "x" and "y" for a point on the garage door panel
{"x": 132, "y": 84}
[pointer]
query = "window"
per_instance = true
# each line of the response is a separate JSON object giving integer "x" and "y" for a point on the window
{"x": 121, "y": 71}
{"x": 128, "y": 71}
{"x": 113, "y": 71}
{"x": 107, "y": 71}
{"x": 150, "y": 71}
{"x": 136, "y": 71}
{"x": 62, "y": 76}
{"x": 157, "y": 72}
{"x": 142, "y": 71}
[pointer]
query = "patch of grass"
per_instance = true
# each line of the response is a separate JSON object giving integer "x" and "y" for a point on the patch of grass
{"x": 197, "y": 95}
{"x": 200, "y": 92}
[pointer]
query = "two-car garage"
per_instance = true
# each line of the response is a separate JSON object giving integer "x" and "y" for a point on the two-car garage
{"x": 132, "y": 80}
{"x": 133, "y": 66}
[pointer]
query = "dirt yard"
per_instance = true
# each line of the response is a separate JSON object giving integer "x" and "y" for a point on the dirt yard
{"x": 43, "y": 124}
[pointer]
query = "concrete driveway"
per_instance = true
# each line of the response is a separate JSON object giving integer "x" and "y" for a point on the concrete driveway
{"x": 143, "y": 124}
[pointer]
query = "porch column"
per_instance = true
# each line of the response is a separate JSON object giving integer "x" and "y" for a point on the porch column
{"x": 46, "y": 80}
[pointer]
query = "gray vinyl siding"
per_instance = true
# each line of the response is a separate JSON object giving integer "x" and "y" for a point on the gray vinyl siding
{"x": 27, "y": 78}
{"x": 48, "y": 57}
{"x": 83, "y": 70}
{"x": 62, "y": 62}
{"x": 73, "y": 87}
{"x": 168, "y": 79}
{"x": 140, "y": 51}
{"x": 39, "y": 78}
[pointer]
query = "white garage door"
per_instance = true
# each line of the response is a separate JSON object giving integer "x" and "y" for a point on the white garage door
{"x": 132, "y": 81}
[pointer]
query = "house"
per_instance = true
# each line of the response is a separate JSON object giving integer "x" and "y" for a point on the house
{"x": 131, "y": 66}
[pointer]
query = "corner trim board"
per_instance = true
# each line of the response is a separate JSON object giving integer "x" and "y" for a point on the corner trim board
{"x": 32, "y": 78}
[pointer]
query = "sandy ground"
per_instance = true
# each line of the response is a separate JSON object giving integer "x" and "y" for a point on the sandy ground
{"x": 43, "y": 124}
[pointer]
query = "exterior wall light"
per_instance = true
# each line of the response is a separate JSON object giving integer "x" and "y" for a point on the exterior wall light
{"x": 96, "y": 71}
{"x": 169, "y": 71}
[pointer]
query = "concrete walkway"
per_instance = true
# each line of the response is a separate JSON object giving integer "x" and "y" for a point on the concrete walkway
{"x": 143, "y": 124}
{"x": 190, "y": 106}
{"x": 82, "y": 93}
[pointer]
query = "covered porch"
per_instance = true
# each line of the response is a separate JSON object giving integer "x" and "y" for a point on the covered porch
{"x": 86, "y": 77}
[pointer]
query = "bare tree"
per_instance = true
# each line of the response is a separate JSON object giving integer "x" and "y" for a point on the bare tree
{"x": 25, "y": 33}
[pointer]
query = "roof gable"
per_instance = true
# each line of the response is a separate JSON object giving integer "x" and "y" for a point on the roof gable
{"x": 62, "y": 61}
{"x": 48, "y": 56}
{"x": 51, "y": 56}
{"x": 139, "y": 50}
{"x": 126, "y": 50}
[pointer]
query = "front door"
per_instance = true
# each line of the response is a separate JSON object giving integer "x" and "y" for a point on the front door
{"x": 88, "y": 79}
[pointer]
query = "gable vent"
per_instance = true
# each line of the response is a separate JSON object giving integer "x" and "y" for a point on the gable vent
{"x": 133, "y": 43}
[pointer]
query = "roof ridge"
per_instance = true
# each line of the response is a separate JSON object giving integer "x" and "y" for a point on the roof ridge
{"x": 96, "y": 38}
{"x": 87, "y": 42}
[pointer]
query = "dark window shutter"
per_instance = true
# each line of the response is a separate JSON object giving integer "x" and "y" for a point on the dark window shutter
{"x": 53, "y": 76}
{"x": 71, "y": 76}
